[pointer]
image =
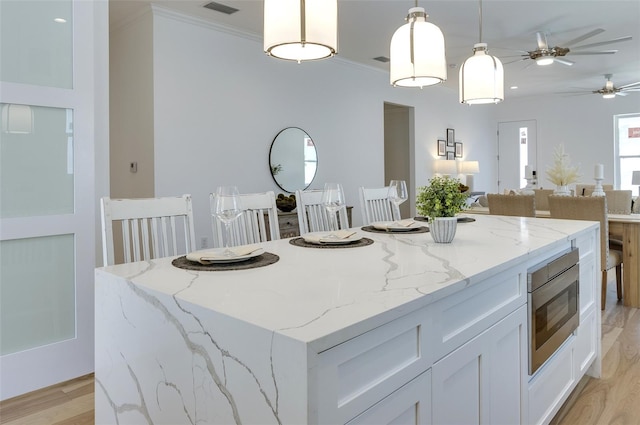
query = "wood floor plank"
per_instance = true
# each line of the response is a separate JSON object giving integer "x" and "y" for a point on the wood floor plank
{"x": 59, "y": 413}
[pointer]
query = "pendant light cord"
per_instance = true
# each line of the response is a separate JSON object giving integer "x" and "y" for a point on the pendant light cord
{"x": 480, "y": 13}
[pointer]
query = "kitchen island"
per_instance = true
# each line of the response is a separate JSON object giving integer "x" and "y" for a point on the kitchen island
{"x": 402, "y": 330}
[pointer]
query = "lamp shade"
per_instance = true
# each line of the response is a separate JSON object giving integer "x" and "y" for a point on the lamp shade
{"x": 17, "y": 119}
{"x": 636, "y": 177}
{"x": 417, "y": 56}
{"x": 443, "y": 166}
{"x": 481, "y": 78}
{"x": 469, "y": 167}
{"x": 301, "y": 30}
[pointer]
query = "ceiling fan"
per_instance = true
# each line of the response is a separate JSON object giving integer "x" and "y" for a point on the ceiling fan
{"x": 546, "y": 55}
{"x": 610, "y": 90}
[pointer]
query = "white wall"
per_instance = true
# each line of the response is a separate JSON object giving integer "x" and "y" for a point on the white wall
{"x": 219, "y": 101}
{"x": 131, "y": 108}
{"x": 584, "y": 124}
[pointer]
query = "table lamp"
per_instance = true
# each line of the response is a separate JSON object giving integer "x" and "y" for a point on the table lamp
{"x": 635, "y": 180}
{"x": 469, "y": 168}
{"x": 445, "y": 167}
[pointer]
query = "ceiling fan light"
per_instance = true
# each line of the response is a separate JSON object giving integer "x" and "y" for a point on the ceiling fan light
{"x": 301, "y": 30}
{"x": 417, "y": 52}
{"x": 544, "y": 60}
{"x": 481, "y": 78}
{"x": 608, "y": 95}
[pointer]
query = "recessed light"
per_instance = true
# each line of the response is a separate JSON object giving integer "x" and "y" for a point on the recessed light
{"x": 513, "y": 87}
{"x": 60, "y": 20}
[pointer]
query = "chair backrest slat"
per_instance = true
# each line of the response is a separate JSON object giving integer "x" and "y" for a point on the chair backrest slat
{"x": 313, "y": 216}
{"x": 148, "y": 227}
{"x": 376, "y": 206}
{"x": 251, "y": 226}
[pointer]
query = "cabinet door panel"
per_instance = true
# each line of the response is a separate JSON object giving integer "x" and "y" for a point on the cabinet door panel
{"x": 482, "y": 381}
{"x": 409, "y": 405}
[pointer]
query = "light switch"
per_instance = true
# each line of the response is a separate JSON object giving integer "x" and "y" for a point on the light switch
{"x": 133, "y": 167}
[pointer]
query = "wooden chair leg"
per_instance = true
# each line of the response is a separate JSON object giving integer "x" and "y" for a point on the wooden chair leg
{"x": 604, "y": 289}
{"x": 619, "y": 281}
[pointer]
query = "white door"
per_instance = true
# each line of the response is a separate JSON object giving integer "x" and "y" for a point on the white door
{"x": 517, "y": 147}
{"x": 47, "y": 192}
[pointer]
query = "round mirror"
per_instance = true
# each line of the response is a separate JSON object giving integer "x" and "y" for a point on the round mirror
{"x": 293, "y": 159}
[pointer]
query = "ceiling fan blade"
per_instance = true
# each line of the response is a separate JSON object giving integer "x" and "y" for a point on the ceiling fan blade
{"x": 628, "y": 90}
{"x": 602, "y": 43}
{"x": 630, "y": 85}
{"x": 601, "y": 52}
{"x": 516, "y": 60}
{"x": 541, "y": 38}
{"x": 620, "y": 94}
{"x": 563, "y": 61}
{"x": 583, "y": 37}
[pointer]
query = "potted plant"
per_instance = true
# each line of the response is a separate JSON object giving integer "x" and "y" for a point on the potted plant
{"x": 440, "y": 201}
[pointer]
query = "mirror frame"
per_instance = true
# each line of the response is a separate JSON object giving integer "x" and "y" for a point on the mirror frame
{"x": 278, "y": 183}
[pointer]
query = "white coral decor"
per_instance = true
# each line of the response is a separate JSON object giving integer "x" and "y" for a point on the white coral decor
{"x": 562, "y": 173}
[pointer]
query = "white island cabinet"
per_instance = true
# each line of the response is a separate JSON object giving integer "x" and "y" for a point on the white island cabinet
{"x": 400, "y": 331}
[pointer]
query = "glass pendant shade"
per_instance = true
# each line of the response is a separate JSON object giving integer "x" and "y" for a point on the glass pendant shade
{"x": 481, "y": 78}
{"x": 301, "y": 30}
{"x": 417, "y": 52}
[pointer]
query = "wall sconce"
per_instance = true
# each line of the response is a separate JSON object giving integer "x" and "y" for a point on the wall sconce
{"x": 17, "y": 119}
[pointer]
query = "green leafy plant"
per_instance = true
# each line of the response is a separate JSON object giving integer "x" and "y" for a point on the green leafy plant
{"x": 441, "y": 198}
{"x": 275, "y": 169}
{"x": 561, "y": 172}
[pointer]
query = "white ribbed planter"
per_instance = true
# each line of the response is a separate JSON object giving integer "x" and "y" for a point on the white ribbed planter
{"x": 443, "y": 229}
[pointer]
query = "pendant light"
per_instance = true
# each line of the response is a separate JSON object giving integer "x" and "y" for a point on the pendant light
{"x": 417, "y": 52}
{"x": 481, "y": 76}
{"x": 301, "y": 30}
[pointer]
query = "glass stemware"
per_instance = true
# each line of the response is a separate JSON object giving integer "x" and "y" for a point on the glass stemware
{"x": 397, "y": 194}
{"x": 333, "y": 200}
{"x": 227, "y": 209}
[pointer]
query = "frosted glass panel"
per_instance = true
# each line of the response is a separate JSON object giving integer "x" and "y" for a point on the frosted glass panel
{"x": 36, "y": 161}
{"x": 35, "y": 45}
{"x": 37, "y": 292}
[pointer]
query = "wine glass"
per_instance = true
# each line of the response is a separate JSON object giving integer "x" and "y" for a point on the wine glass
{"x": 227, "y": 209}
{"x": 397, "y": 194}
{"x": 333, "y": 200}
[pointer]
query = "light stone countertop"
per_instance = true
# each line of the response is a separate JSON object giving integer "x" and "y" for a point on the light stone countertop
{"x": 319, "y": 296}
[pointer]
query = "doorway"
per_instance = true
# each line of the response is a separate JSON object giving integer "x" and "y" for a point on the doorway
{"x": 517, "y": 148}
{"x": 398, "y": 145}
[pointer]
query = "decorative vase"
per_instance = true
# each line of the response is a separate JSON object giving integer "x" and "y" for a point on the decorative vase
{"x": 562, "y": 191}
{"x": 443, "y": 229}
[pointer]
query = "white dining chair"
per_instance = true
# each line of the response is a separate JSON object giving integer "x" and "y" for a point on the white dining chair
{"x": 376, "y": 205}
{"x": 313, "y": 216}
{"x": 149, "y": 228}
{"x": 257, "y": 223}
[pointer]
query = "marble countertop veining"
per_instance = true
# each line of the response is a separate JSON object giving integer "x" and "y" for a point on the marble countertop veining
{"x": 311, "y": 295}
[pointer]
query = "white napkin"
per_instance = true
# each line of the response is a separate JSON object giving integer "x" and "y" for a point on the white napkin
{"x": 207, "y": 256}
{"x": 338, "y": 235}
{"x": 386, "y": 225}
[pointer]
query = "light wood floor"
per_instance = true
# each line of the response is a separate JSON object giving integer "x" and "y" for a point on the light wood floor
{"x": 613, "y": 399}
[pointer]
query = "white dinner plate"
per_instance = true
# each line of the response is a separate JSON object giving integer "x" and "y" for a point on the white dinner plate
{"x": 216, "y": 256}
{"x": 322, "y": 238}
{"x": 393, "y": 226}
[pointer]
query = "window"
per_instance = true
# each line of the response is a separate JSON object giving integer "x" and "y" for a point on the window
{"x": 627, "y": 128}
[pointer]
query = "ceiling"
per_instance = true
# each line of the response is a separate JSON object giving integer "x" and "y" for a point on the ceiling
{"x": 509, "y": 27}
